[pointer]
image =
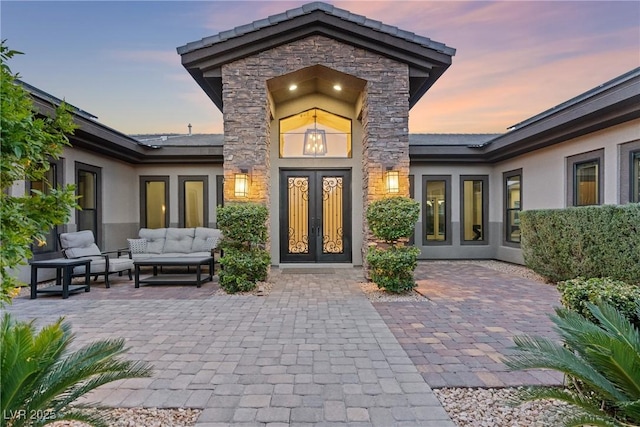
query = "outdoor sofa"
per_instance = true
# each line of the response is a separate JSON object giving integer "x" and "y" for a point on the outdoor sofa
{"x": 174, "y": 242}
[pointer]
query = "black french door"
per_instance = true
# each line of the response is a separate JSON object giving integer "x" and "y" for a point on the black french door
{"x": 315, "y": 216}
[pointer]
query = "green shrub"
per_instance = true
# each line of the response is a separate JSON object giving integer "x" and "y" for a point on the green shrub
{"x": 243, "y": 224}
{"x": 603, "y": 357}
{"x": 393, "y": 218}
{"x": 241, "y": 269}
{"x": 244, "y": 260}
{"x": 41, "y": 377}
{"x": 577, "y": 293}
{"x": 392, "y": 269}
{"x": 590, "y": 241}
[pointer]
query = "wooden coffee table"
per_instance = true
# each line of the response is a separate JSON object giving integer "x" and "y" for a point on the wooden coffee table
{"x": 159, "y": 278}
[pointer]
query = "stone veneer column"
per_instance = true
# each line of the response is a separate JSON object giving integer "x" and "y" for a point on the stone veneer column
{"x": 385, "y": 114}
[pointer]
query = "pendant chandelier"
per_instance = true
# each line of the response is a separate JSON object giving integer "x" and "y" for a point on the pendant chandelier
{"x": 315, "y": 141}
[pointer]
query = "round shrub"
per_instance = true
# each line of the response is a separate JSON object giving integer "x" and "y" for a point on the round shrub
{"x": 241, "y": 269}
{"x": 393, "y": 218}
{"x": 392, "y": 269}
{"x": 243, "y": 223}
{"x": 576, "y": 293}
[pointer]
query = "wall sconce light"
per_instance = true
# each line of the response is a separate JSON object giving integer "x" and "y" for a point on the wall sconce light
{"x": 315, "y": 142}
{"x": 242, "y": 183}
{"x": 392, "y": 179}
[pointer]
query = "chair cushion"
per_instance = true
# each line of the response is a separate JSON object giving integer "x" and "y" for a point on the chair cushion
{"x": 137, "y": 246}
{"x": 119, "y": 264}
{"x": 155, "y": 239}
{"x": 79, "y": 244}
{"x": 179, "y": 240}
{"x": 97, "y": 265}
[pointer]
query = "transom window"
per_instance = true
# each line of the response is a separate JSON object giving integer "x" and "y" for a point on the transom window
{"x": 315, "y": 133}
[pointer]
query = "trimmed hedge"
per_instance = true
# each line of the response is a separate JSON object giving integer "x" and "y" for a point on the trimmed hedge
{"x": 590, "y": 241}
{"x": 576, "y": 293}
{"x": 244, "y": 234}
{"x": 393, "y": 218}
{"x": 392, "y": 269}
{"x": 390, "y": 220}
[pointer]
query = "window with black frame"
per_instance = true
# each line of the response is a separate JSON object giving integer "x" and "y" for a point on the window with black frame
{"x": 154, "y": 201}
{"x": 513, "y": 205}
{"x": 635, "y": 177}
{"x": 474, "y": 203}
{"x": 50, "y": 180}
{"x": 436, "y": 210}
{"x": 586, "y": 182}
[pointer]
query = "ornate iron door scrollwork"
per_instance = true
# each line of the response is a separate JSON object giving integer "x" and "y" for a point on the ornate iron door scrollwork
{"x": 315, "y": 223}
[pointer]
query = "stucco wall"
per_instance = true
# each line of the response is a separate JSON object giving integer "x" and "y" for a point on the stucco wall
{"x": 544, "y": 186}
{"x": 121, "y": 196}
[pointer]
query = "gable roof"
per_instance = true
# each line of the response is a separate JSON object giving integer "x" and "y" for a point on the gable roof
{"x": 427, "y": 59}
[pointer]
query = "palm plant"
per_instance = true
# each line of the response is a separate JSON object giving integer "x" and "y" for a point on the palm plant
{"x": 40, "y": 377}
{"x": 603, "y": 359}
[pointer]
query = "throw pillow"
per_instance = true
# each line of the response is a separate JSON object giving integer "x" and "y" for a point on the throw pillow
{"x": 210, "y": 243}
{"x": 137, "y": 246}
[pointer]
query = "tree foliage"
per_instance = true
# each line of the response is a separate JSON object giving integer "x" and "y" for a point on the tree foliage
{"x": 28, "y": 142}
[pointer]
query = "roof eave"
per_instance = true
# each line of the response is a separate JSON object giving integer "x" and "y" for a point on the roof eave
{"x": 204, "y": 62}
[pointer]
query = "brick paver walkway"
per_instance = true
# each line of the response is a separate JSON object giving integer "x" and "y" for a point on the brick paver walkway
{"x": 313, "y": 352}
{"x": 457, "y": 339}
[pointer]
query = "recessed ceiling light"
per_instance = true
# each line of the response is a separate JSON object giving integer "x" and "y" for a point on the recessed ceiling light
{"x": 293, "y": 87}
{"x": 337, "y": 87}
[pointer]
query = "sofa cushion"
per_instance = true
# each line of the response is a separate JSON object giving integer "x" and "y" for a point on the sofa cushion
{"x": 137, "y": 246}
{"x": 179, "y": 240}
{"x": 79, "y": 244}
{"x": 201, "y": 236}
{"x": 155, "y": 239}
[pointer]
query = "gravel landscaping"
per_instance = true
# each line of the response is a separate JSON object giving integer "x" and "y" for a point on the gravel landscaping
{"x": 469, "y": 407}
{"x": 139, "y": 417}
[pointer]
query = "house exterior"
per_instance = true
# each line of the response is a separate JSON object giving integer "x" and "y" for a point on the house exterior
{"x": 316, "y": 102}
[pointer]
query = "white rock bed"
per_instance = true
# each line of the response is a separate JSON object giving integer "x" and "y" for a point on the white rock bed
{"x": 476, "y": 407}
{"x": 139, "y": 417}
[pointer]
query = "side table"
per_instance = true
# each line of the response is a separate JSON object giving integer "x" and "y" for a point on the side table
{"x": 64, "y": 269}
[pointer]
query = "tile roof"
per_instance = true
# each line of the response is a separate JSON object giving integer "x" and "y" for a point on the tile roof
{"x": 310, "y": 8}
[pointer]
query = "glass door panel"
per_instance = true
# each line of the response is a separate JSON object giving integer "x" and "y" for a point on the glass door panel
{"x": 298, "y": 214}
{"x": 314, "y": 216}
{"x": 332, "y": 215}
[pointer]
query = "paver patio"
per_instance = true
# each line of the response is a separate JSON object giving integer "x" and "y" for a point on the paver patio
{"x": 313, "y": 352}
{"x": 458, "y": 337}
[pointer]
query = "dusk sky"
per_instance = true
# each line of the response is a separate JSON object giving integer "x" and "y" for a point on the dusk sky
{"x": 118, "y": 60}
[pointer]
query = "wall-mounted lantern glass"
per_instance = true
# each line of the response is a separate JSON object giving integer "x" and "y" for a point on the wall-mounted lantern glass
{"x": 392, "y": 179}
{"x": 242, "y": 184}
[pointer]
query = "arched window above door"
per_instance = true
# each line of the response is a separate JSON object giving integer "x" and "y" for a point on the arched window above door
{"x": 315, "y": 133}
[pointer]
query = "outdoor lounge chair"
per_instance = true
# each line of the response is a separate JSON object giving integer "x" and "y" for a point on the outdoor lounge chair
{"x": 82, "y": 244}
